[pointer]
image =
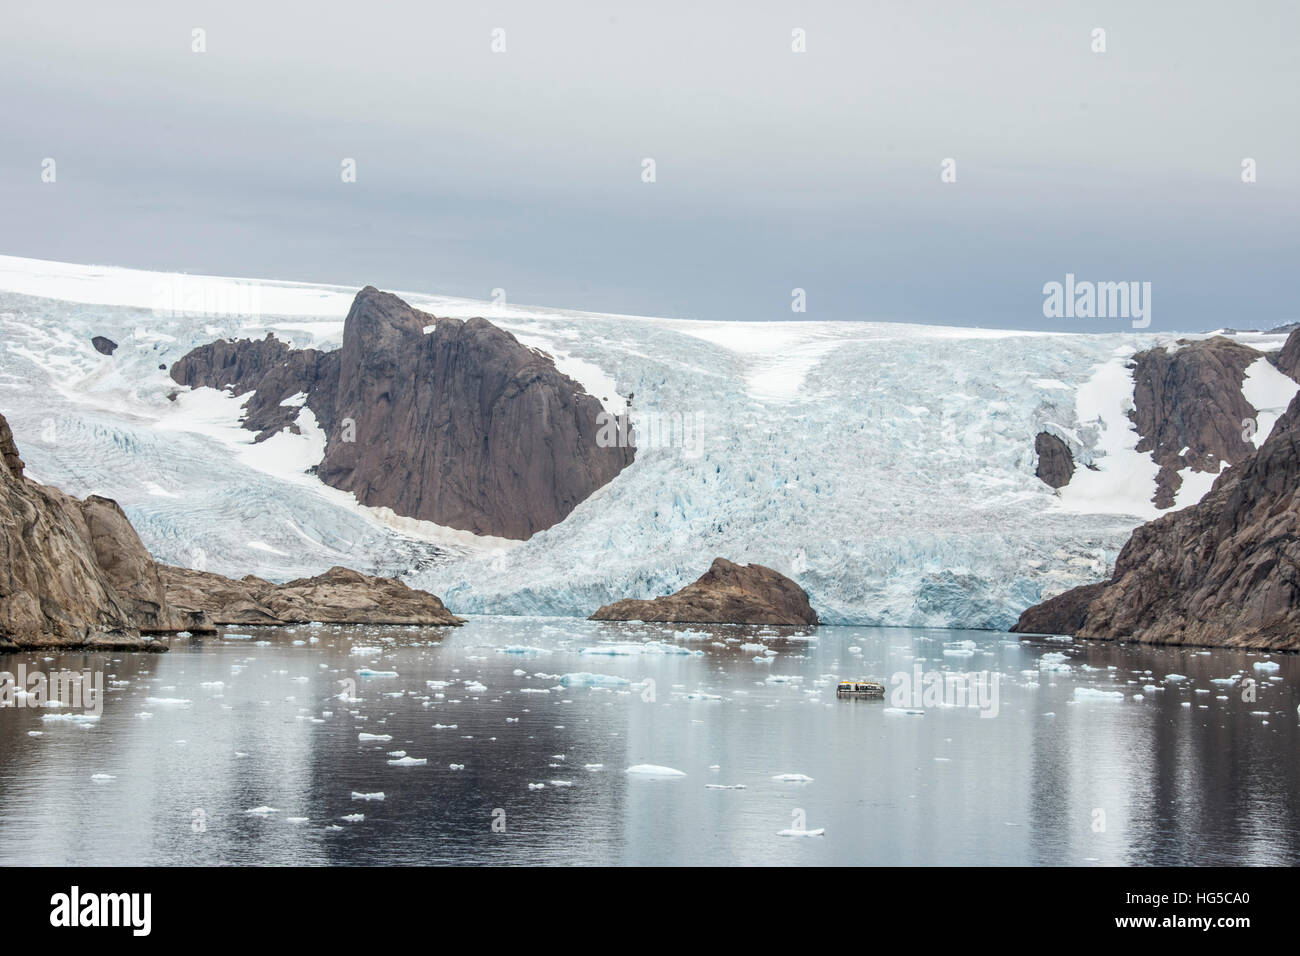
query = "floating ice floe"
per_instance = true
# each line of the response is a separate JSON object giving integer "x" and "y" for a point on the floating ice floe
{"x": 238, "y": 637}
{"x": 72, "y": 718}
{"x": 103, "y": 776}
{"x": 820, "y": 831}
{"x": 1054, "y": 661}
{"x": 369, "y": 651}
{"x": 262, "y": 811}
{"x": 167, "y": 701}
{"x": 353, "y": 818}
{"x": 724, "y": 786}
{"x": 1175, "y": 678}
{"x": 367, "y": 672}
{"x": 633, "y": 650}
{"x": 455, "y": 766}
{"x": 378, "y": 795}
{"x": 587, "y": 679}
{"x": 1267, "y": 665}
{"x": 523, "y": 649}
{"x": 903, "y": 712}
{"x": 474, "y": 687}
{"x": 364, "y": 736}
{"x": 793, "y": 778}
{"x": 537, "y": 786}
{"x": 409, "y": 762}
{"x": 1091, "y": 693}
{"x": 654, "y": 770}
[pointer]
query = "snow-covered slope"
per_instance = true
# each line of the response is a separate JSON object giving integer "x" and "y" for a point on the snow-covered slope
{"x": 888, "y": 468}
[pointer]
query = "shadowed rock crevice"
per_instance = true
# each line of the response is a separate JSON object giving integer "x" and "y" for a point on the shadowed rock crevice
{"x": 725, "y": 594}
{"x": 461, "y": 425}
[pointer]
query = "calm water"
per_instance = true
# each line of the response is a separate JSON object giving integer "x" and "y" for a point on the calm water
{"x": 1053, "y": 778}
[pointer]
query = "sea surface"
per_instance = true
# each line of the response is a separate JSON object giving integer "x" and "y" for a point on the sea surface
{"x": 238, "y": 749}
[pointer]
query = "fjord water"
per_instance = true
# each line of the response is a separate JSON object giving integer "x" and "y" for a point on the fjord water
{"x": 1172, "y": 772}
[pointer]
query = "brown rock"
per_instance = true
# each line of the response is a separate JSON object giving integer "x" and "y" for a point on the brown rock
{"x": 725, "y": 594}
{"x": 1063, "y": 614}
{"x": 463, "y": 426}
{"x": 339, "y": 596}
{"x": 1222, "y": 573}
{"x": 54, "y": 591}
{"x": 1055, "y": 462}
{"x": 1191, "y": 398}
{"x": 1288, "y": 359}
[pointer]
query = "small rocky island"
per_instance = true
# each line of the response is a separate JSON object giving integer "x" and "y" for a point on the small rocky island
{"x": 74, "y": 573}
{"x": 727, "y": 593}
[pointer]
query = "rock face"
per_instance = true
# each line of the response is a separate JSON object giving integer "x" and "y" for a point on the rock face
{"x": 462, "y": 425}
{"x": 68, "y": 568}
{"x": 1055, "y": 462}
{"x": 103, "y": 346}
{"x": 1223, "y": 572}
{"x": 1288, "y": 359}
{"x": 1063, "y": 614}
{"x": 1190, "y": 398}
{"x": 725, "y": 594}
{"x": 338, "y": 596}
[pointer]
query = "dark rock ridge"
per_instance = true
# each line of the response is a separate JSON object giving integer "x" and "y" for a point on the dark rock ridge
{"x": 74, "y": 573}
{"x": 339, "y": 596}
{"x": 463, "y": 426}
{"x": 1190, "y": 398}
{"x": 103, "y": 346}
{"x": 725, "y": 594}
{"x": 1055, "y": 461}
{"x": 1222, "y": 573}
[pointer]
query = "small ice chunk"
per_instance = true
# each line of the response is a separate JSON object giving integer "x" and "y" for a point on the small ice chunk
{"x": 653, "y": 770}
{"x": 793, "y": 778}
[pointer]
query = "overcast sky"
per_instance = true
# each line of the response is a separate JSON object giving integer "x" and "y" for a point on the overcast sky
{"x": 821, "y": 170}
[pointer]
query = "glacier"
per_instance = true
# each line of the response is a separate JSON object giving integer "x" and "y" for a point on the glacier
{"x": 887, "y": 468}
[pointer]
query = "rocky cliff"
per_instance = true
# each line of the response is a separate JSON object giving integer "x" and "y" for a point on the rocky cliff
{"x": 725, "y": 594}
{"x": 72, "y": 573}
{"x": 460, "y": 425}
{"x": 1223, "y": 572}
{"x": 75, "y": 574}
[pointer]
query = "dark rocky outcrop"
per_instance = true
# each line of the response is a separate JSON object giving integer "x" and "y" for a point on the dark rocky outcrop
{"x": 463, "y": 425}
{"x": 339, "y": 596}
{"x": 725, "y": 594}
{"x": 1062, "y": 614}
{"x": 1223, "y": 572}
{"x": 103, "y": 345}
{"x": 1190, "y": 398}
{"x": 1055, "y": 462}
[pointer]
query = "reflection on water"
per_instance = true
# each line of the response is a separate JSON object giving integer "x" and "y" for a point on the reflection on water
{"x": 1172, "y": 771}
